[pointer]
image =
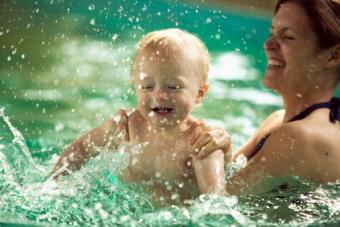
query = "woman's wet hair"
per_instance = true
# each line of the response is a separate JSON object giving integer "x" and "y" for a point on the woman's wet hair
{"x": 324, "y": 18}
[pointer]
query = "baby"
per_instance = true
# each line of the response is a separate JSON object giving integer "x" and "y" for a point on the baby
{"x": 169, "y": 73}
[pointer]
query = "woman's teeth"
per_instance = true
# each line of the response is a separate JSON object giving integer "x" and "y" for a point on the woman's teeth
{"x": 275, "y": 63}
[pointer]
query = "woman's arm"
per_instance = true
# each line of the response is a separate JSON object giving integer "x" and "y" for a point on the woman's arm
{"x": 209, "y": 173}
{"x": 282, "y": 155}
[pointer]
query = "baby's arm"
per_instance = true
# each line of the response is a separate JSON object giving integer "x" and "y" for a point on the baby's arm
{"x": 86, "y": 146}
{"x": 209, "y": 173}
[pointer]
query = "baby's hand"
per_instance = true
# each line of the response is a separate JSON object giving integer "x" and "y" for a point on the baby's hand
{"x": 207, "y": 139}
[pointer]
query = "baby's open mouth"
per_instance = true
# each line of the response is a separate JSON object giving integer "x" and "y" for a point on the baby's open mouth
{"x": 162, "y": 110}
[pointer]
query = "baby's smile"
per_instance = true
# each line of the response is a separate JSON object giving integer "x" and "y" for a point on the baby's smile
{"x": 162, "y": 111}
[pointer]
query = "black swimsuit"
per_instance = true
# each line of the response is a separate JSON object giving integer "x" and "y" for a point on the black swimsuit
{"x": 334, "y": 115}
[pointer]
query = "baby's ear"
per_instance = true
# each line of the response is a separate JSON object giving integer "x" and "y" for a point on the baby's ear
{"x": 334, "y": 57}
{"x": 201, "y": 92}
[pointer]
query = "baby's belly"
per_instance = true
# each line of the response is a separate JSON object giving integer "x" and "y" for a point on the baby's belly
{"x": 165, "y": 189}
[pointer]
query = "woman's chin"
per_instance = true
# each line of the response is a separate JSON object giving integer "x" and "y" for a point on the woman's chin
{"x": 267, "y": 83}
{"x": 272, "y": 80}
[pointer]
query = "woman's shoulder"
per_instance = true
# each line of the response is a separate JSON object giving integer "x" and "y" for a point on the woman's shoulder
{"x": 314, "y": 129}
{"x": 306, "y": 143}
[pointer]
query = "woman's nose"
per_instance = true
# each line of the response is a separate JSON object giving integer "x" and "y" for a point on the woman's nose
{"x": 271, "y": 43}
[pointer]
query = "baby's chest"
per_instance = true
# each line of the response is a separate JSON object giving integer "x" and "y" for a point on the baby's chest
{"x": 166, "y": 162}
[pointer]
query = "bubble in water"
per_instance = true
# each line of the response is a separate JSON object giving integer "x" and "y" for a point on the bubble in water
{"x": 93, "y": 21}
{"x": 114, "y": 37}
{"x": 22, "y": 56}
{"x": 92, "y": 7}
{"x": 208, "y": 20}
{"x": 59, "y": 127}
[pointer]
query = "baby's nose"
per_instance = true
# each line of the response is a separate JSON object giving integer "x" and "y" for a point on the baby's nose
{"x": 161, "y": 94}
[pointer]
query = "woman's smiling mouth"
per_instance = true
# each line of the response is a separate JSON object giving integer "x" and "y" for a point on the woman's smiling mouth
{"x": 274, "y": 64}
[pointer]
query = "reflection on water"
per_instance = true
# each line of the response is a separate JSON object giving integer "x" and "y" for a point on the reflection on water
{"x": 64, "y": 68}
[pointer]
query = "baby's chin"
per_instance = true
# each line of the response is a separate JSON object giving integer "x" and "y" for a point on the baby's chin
{"x": 165, "y": 123}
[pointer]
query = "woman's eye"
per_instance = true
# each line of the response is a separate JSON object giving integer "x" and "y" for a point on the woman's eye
{"x": 288, "y": 37}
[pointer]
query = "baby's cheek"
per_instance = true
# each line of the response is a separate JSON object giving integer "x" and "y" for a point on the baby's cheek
{"x": 185, "y": 106}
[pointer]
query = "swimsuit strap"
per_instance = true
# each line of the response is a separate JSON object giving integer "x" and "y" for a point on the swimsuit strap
{"x": 333, "y": 105}
{"x": 334, "y": 115}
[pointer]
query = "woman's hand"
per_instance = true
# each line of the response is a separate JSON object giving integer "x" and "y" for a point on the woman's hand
{"x": 207, "y": 139}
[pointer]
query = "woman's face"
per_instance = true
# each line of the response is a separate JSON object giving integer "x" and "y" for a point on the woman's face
{"x": 293, "y": 57}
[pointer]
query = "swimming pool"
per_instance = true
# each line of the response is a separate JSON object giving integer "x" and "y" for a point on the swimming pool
{"x": 64, "y": 69}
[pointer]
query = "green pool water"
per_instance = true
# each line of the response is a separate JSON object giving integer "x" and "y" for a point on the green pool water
{"x": 64, "y": 68}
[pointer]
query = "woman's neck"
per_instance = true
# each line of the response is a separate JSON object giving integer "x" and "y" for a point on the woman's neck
{"x": 294, "y": 104}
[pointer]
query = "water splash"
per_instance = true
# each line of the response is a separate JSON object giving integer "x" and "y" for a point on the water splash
{"x": 18, "y": 137}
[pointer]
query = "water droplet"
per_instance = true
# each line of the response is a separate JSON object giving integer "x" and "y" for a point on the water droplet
{"x": 92, "y": 7}
{"x": 22, "y": 56}
{"x": 208, "y": 20}
{"x": 9, "y": 58}
{"x": 142, "y": 76}
{"x": 92, "y": 21}
{"x": 174, "y": 196}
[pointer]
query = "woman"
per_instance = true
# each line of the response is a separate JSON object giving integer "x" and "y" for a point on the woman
{"x": 303, "y": 54}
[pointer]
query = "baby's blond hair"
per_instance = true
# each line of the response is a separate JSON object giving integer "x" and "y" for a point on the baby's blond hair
{"x": 172, "y": 40}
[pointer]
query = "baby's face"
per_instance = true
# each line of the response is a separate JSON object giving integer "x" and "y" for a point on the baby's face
{"x": 167, "y": 87}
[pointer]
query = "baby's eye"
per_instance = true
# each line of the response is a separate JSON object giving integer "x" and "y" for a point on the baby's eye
{"x": 174, "y": 87}
{"x": 146, "y": 87}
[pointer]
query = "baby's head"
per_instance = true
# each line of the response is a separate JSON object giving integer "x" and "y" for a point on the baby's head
{"x": 170, "y": 74}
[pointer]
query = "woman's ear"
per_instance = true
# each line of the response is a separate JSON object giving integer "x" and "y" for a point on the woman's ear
{"x": 201, "y": 92}
{"x": 334, "y": 57}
